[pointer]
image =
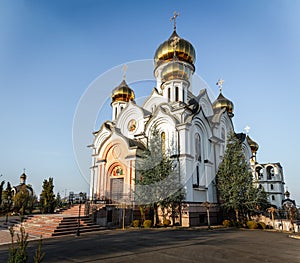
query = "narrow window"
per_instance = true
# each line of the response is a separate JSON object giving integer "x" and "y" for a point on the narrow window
{"x": 176, "y": 93}
{"x": 273, "y": 197}
{"x": 169, "y": 94}
{"x": 163, "y": 142}
{"x": 116, "y": 113}
{"x": 223, "y": 134}
{"x": 272, "y": 187}
{"x": 197, "y": 147}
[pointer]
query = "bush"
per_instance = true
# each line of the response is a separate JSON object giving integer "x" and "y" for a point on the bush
{"x": 147, "y": 224}
{"x": 252, "y": 225}
{"x": 166, "y": 222}
{"x": 136, "y": 223}
{"x": 262, "y": 225}
{"x": 226, "y": 223}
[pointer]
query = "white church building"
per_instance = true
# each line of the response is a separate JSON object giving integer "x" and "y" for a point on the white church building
{"x": 191, "y": 125}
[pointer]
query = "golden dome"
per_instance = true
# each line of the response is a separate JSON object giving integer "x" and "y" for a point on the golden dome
{"x": 253, "y": 145}
{"x": 222, "y": 102}
{"x": 175, "y": 70}
{"x": 184, "y": 51}
{"x": 122, "y": 93}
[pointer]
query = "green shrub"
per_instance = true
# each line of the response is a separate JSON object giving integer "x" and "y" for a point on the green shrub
{"x": 136, "y": 223}
{"x": 226, "y": 223}
{"x": 262, "y": 225}
{"x": 166, "y": 222}
{"x": 147, "y": 224}
{"x": 252, "y": 225}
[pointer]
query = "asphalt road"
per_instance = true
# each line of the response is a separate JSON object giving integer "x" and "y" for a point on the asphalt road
{"x": 169, "y": 246}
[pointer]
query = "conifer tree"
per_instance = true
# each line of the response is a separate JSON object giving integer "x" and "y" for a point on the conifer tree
{"x": 234, "y": 181}
{"x": 47, "y": 197}
{"x": 157, "y": 182}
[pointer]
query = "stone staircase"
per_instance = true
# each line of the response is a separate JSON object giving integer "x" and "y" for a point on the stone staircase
{"x": 64, "y": 223}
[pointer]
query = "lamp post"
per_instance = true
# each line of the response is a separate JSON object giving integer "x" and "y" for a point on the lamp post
{"x": 78, "y": 225}
{"x": 207, "y": 205}
{"x": 8, "y": 208}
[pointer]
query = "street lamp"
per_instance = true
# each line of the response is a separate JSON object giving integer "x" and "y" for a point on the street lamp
{"x": 8, "y": 207}
{"x": 78, "y": 226}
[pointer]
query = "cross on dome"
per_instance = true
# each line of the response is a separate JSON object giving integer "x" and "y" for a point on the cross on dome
{"x": 220, "y": 84}
{"x": 125, "y": 67}
{"x": 247, "y": 129}
{"x": 174, "y": 17}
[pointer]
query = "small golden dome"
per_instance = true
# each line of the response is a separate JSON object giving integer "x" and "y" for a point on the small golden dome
{"x": 222, "y": 102}
{"x": 122, "y": 93}
{"x": 175, "y": 70}
{"x": 184, "y": 51}
{"x": 253, "y": 145}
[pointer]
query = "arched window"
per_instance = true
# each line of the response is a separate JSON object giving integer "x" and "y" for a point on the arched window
{"x": 223, "y": 133}
{"x": 272, "y": 187}
{"x": 116, "y": 112}
{"x": 259, "y": 173}
{"x": 169, "y": 94}
{"x": 270, "y": 172}
{"x": 198, "y": 147}
{"x": 176, "y": 93}
{"x": 183, "y": 95}
{"x": 163, "y": 142}
{"x": 273, "y": 197}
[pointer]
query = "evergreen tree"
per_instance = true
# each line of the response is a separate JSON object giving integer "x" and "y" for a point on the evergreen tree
{"x": 7, "y": 195}
{"x": 47, "y": 198}
{"x": 234, "y": 181}
{"x": 157, "y": 182}
{"x": 1, "y": 189}
{"x": 22, "y": 199}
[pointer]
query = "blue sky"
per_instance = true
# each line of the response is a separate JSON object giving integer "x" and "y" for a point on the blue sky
{"x": 51, "y": 51}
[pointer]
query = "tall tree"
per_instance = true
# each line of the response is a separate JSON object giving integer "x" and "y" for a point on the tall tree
{"x": 47, "y": 198}
{"x": 7, "y": 195}
{"x": 234, "y": 180}
{"x": 157, "y": 182}
{"x": 1, "y": 189}
{"x": 22, "y": 199}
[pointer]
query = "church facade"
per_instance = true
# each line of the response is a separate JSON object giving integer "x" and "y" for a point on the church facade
{"x": 192, "y": 127}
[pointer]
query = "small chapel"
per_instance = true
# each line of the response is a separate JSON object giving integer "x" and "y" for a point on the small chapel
{"x": 192, "y": 127}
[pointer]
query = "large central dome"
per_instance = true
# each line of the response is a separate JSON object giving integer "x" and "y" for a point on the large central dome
{"x": 184, "y": 51}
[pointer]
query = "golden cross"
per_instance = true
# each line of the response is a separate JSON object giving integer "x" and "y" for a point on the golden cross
{"x": 220, "y": 84}
{"x": 125, "y": 67}
{"x": 174, "y": 18}
{"x": 247, "y": 129}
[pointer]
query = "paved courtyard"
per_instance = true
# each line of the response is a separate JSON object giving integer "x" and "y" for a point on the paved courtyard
{"x": 169, "y": 246}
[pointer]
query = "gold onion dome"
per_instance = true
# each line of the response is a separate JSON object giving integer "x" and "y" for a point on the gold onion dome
{"x": 253, "y": 145}
{"x": 175, "y": 70}
{"x": 222, "y": 102}
{"x": 122, "y": 93}
{"x": 184, "y": 51}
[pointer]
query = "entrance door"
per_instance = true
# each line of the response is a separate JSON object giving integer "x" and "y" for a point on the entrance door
{"x": 117, "y": 189}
